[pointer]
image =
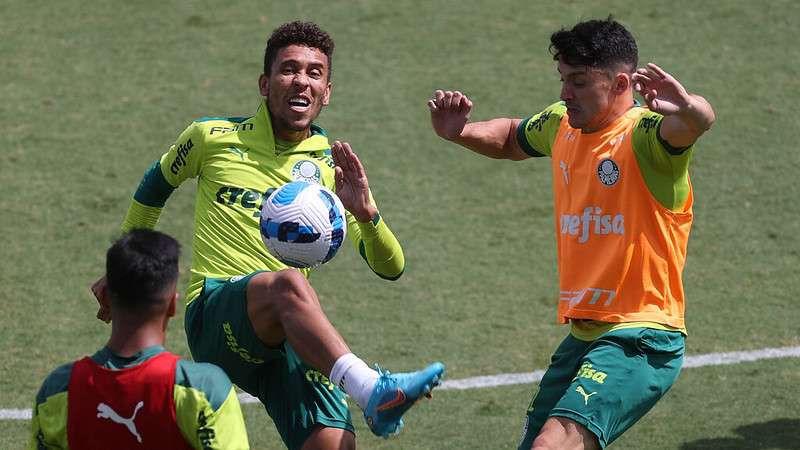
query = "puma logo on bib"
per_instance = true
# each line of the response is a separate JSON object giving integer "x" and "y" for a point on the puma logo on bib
{"x": 106, "y": 412}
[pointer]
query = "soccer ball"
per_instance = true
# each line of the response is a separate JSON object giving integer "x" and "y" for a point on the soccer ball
{"x": 303, "y": 224}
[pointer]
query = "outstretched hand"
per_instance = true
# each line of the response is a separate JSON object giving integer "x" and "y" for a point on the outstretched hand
{"x": 352, "y": 185}
{"x": 449, "y": 113}
{"x": 662, "y": 93}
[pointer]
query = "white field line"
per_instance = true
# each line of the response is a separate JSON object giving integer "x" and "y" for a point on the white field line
{"x": 505, "y": 379}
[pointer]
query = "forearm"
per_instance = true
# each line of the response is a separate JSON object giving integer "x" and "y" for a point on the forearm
{"x": 380, "y": 248}
{"x": 699, "y": 115}
{"x": 684, "y": 127}
{"x": 140, "y": 216}
{"x": 148, "y": 200}
{"x": 494, "y": 138}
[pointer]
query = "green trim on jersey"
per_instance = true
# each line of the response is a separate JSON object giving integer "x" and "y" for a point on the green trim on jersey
{"x": 55, "y": 383}
{"x": 206, "y": 378}
{"x": 227, "y": 119}
{"x": 663, "y": 168}
{"x": 110, "y": 360}
{"x": 153, "y": 190}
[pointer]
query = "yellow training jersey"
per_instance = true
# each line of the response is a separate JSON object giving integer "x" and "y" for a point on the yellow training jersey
{"x": 238, "y": 164}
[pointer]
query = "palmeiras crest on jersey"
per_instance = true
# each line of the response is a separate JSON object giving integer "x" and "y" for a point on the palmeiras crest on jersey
{"x": 306, "y": 170}
{"x": 608, "y": 172}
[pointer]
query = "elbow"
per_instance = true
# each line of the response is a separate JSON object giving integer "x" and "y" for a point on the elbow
{"x": 393, "y": 269}
{"x": 712, "y": 117}
{"x": 390, "y": 277}
{"x": 707, "y": 116}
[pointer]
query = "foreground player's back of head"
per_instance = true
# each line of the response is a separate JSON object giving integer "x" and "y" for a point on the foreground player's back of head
{"x": 142, "y": 271}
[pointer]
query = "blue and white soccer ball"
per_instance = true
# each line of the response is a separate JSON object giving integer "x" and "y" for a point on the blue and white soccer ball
{"x": 303, "y": 224}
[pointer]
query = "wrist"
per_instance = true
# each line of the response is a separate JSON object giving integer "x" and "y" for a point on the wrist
{"x": 369, "y": 214}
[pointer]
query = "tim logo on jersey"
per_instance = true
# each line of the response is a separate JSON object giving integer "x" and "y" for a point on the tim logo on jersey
{"x": 592, "y": 221}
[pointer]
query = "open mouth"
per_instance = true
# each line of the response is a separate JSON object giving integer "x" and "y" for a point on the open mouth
{"x": 299, "y": 103}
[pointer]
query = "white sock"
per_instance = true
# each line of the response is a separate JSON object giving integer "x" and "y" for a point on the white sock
{"x": 355, "y": 377}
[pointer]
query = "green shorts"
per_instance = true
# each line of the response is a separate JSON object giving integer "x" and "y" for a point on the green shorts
{"x": 296, "y": 396}
{"x": 608, "y": 384}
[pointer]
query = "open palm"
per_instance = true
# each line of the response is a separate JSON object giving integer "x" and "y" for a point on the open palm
{"x": 352, "y": 185}
{"x": 660, "y": 90}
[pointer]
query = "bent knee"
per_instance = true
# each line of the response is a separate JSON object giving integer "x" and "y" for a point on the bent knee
{"x": 271, "y": 285}
{"x": 564, "y": 433}
{"x": 330, "y": 438}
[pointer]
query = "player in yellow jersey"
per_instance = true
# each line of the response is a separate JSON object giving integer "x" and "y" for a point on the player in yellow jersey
{"x": 623, "y": 210}
{"x": 247, "y": 312}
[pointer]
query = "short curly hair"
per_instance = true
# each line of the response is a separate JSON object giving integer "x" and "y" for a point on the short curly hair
{"x": 308, "y": 34}
{"x": 604, "y": 44}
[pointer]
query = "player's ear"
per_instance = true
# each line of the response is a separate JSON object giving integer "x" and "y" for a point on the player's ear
{"x": 263, "y": 85}
{"x": 173, "y": 301}
{"x": 104, "y": 297}
{"x": 326, "y": 97}
{"x": 622, "y": 82}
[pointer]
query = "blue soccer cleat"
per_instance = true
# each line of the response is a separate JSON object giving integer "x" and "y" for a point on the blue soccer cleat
{"x": 394, "y": 394}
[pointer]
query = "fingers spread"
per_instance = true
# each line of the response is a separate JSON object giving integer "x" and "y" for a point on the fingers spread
{"x": 642, "y": 75}
{"x": 657, "y": 70}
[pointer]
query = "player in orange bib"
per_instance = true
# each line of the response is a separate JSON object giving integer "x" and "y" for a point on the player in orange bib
{"x": 623, "y": 211}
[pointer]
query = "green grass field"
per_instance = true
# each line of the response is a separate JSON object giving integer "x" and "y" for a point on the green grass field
{"x": 93, "y": 93}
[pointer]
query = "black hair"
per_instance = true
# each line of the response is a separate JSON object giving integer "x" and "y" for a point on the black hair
{"x": 604, "y": 44}
{"x": 308, "y": 34}
{"x": 141, "y": 266}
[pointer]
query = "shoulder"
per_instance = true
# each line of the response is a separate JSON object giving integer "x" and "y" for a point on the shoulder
{"x": 204, "y": 378}
{"x": 550, "y": 116}
{"x": 213, "y": 126}
{"x": 209, "y": 128}
{"x": 536, "y": 133}
{"x": 647, "y": 136}
{"x": 647, "y": 121}
{"x": 55, "y": 383}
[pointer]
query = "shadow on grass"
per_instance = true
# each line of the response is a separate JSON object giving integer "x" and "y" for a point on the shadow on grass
{"x": 775, "y": 434}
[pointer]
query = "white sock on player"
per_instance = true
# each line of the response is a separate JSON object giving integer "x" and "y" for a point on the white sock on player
{"x": 353, "y": 375}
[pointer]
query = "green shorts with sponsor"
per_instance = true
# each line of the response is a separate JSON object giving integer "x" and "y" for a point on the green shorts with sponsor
{"x": 296, "y": 397}
{"x": 607, "y": 384}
